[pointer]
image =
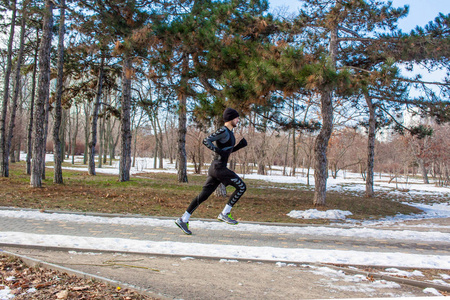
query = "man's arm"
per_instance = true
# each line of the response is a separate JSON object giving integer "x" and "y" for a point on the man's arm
{"x": 240, "y": 145}
{"x": 218, "y": 135}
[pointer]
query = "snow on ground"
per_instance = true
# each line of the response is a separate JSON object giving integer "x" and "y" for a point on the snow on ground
{"x": 356, "y": 231}
{"x": 5, "y": 292}
{"x": 333, "y": 214}
{"x": 300, "y": 255}
{"x": 351, "y": 181}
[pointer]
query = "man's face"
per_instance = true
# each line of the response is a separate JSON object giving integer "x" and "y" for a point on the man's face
{"x": 235, "y": 122}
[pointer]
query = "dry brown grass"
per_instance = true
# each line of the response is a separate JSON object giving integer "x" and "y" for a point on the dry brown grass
{"x": 160, "y": 194}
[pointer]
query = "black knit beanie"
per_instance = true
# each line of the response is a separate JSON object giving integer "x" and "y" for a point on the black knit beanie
{"x": 230, "y": 114}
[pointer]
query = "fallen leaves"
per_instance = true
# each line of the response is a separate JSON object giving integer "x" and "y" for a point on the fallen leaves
{"x": 27, "y": 282}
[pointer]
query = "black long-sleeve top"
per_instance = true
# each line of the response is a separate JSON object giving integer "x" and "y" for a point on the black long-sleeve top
{"x": 225, "y": 144}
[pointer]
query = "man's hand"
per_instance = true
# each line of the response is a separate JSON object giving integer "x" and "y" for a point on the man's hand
{"x": 242, "y": 143}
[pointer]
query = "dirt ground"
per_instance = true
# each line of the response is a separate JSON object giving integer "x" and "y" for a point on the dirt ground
{"x": 187, "y": 278}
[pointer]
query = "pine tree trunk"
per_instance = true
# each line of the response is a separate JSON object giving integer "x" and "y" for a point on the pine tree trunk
{"x": 321, "y": 143}
{"x": 4, "y": 172}
{"x": 320, "y": 150}
{"x": 31, "y": 115}
{"x": 125, "y": 156}
{"x": 16, "y": 93}
{"x": 182, "y": 158}
{"x": 182, "y": 98}
{"x": 57, "y": 155}
{"x": 43, "y": 94}
{"x": 93, "y": 142}
{"x": 370, "y": 147}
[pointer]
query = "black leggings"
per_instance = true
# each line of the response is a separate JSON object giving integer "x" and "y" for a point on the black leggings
{"x": 218, "y": 174}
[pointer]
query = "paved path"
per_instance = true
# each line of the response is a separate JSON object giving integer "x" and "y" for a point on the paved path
{"x": 205, "y": 236}
{"x": 193, "y": 279}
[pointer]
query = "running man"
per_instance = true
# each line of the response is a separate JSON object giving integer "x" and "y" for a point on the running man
{"x": 218, "y": 171}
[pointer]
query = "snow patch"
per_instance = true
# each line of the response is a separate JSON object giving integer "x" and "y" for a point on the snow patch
{"x": 332, "y": 214}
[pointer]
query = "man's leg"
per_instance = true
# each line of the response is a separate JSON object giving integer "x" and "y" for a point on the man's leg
{"x": 240, "y": 187}
{"x": 208, "y": 188}
{"x": 230, "y": 178}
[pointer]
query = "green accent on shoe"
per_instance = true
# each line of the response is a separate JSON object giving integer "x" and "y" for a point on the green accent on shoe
{"x": 183, "y": 226}
{"x": 227, "y": 219}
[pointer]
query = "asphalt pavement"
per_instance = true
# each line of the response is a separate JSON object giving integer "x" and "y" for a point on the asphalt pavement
{"x": 188, "y": 279}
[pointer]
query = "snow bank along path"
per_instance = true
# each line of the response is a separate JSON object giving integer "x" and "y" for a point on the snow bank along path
{"x": 232, "y": 251}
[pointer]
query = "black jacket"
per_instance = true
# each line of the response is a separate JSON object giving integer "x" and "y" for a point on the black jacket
{"x": 225, "y": 141}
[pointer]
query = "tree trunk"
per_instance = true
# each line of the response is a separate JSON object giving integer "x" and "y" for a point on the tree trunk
{"x": 86, "y": 133}
{"x": 135, "y": 147}
{"x": 125, "y": 156}
{"x": 101, "y": 146}
{"x": 16, "y": 93}
{"x": 321, "y": 143}
{"x": 74, "y": 137}
{"x": 62, "y": 134}
{"x": 156, "y": 149}
{"x": 423, "y": 170}
{"x": 286, "y": 154}
{"x": 182, "y": 98}
{"x": 4, "y": 172}
{"x": 160, "y": 151}
{"x": 43, "y": 93}
{"x": 113, "y": 147}
{"x": 370, "y": 147}
{"x": 31, "y": 118}
{"x": 294, "y": 148}
{"x": 57, "y": 155}
{"x": 93, "y": 142}
{"x": 110, "y": 141}
{"x": 320, "y": 150}
{"x": 46, "y": 116}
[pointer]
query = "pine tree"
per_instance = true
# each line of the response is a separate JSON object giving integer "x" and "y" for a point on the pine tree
{"x": 43, "y": 95}
{"x": 57, "y": 147}
{"x": 341, "y": 25}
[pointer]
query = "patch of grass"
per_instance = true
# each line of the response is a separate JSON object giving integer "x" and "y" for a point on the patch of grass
{"x": 160, "y": 194}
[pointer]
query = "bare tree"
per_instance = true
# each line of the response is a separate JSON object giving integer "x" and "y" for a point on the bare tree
{"x": 17, "y": 89}
{"x": 94, "y": 120}
{"x": 3, "y": 155}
